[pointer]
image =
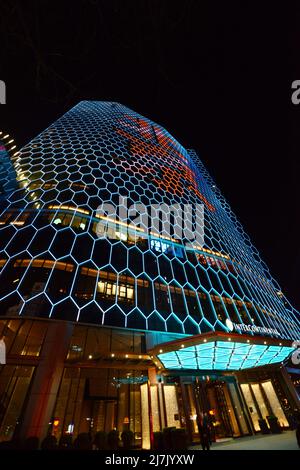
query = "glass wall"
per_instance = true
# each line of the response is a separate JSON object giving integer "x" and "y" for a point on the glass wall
{"x": 92, "y": 400}
{"x": 89, "y": 399}
{"x": 260, "y": 400}
{"x": 232, "y": 406}
{"x": 274, "y": 403}
{"x": 251, "y": 405}
{"x": 192, "y": 408}
{"x": 238, "y": 409}
{"x": 23, "y": 337}
{"x": 263, "y": 402}
{"x": 220, "y": 399}
{"x": 96, "y": 342}
{"x": 14, "y": 384}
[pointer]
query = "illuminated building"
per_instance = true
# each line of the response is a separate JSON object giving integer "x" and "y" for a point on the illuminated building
{"x": 7, "y": 172}
{"x": 131, "y": 323}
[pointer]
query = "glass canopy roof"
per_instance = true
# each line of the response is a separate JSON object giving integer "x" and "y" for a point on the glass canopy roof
{"x": 224, "y": 355}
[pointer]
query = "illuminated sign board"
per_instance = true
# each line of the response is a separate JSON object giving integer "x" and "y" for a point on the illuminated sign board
{"x": 242, "y": 328}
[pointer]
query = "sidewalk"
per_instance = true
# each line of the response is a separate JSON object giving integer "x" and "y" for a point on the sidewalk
{"x": 284, "y": 441}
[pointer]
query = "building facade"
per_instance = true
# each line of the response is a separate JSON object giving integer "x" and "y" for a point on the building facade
{"x": 110, "y": 322}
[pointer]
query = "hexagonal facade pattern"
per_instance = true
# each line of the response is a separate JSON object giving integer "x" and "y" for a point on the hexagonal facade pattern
{"x": 60, "y": 259}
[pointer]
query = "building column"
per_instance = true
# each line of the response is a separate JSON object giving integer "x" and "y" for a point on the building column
{"x": 46, "y": 380}
{"x": 162, "y": 408}
{"x": 152, "y": 375}
{"x": 152, "y": 389}
{"x": 186, "y": 407}
{"x": 109, "y": 415}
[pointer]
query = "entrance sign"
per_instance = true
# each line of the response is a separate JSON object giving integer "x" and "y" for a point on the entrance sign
{"x": 242, "y": 327}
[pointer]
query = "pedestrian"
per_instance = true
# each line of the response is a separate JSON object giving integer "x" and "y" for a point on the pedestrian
{"x": 205, "y": 437}
{"x": 204, "y": 433}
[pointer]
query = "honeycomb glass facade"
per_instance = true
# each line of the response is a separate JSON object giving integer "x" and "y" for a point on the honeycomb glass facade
{"x": 63, "y": 259}
{"x": 54, "y": 262}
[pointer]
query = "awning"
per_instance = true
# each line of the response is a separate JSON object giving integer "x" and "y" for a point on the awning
{"x": 221, "y": 351}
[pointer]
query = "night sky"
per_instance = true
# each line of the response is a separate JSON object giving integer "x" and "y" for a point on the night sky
{"x": 216, "y": 75}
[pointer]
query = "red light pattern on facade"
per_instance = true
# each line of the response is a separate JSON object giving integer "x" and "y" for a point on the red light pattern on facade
{"x": 171, "y": 164}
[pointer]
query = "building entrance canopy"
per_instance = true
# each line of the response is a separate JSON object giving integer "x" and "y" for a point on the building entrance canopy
{"x": 221, "y": 351}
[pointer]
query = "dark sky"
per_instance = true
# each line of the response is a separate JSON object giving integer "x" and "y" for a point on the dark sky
{"x": 216, "y": 75}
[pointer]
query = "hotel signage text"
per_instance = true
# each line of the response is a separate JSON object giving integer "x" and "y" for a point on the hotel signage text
{"x": 241, "y": 327}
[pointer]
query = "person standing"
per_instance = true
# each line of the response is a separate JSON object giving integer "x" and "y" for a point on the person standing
{"x": 204, "y": 432}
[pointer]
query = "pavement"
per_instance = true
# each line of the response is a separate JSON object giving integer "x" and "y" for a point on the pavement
{"x": 284, "y": 441}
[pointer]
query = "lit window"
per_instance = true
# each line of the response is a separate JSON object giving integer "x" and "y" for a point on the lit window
{"x": 110, "y": 289}
{"x": 159, "y": 246}
{"x": 122, "y": 291}
{"x": 121, "y": 236}
{"x": 177, "y": 250}
{"x": 57, "y": 221}
{"x": 130, "y": 292}
{"x": 101, "y": 287}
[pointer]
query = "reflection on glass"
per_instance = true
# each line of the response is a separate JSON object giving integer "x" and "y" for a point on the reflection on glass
{"x": 260, "y": 400}
{"x": 13, "y": 390}
{"x": 251, "y": 405}
{"x": 232, "y": 402}
{"x": 274, "y": 402}
{"x": 193, "y": 411}
{"x": 238, "y": 409}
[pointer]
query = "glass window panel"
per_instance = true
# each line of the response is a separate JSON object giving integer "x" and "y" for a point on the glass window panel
{"x": 238, "y": 409}
{"x": 251, "y": 405}
{"x": 274, "y": 402}
{"x": 14, "y": 397}
{"x": 260, "y": 400}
